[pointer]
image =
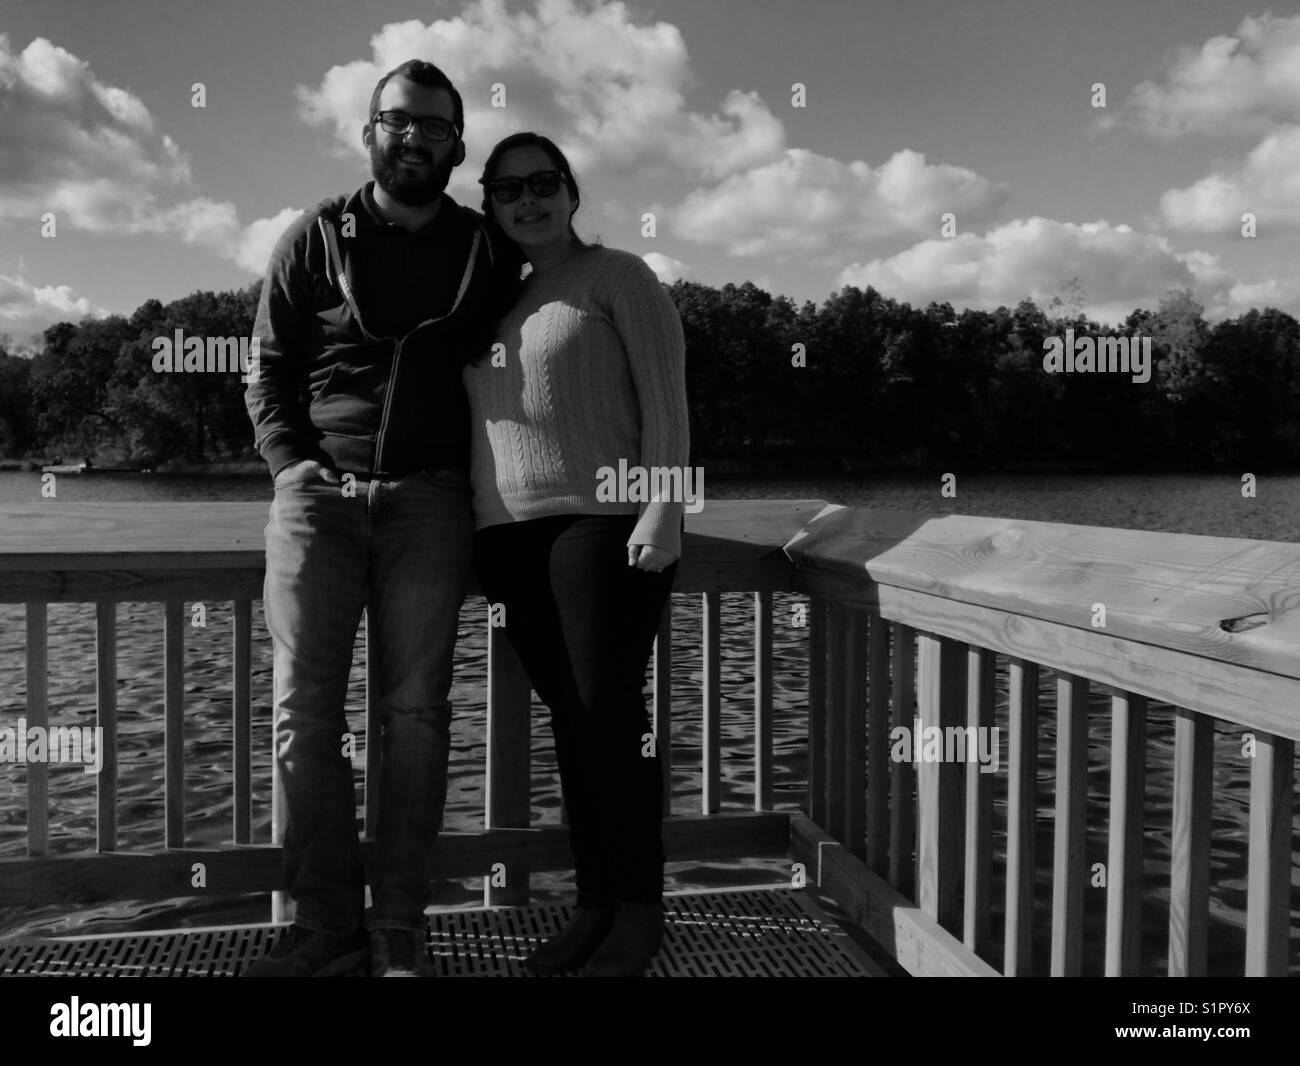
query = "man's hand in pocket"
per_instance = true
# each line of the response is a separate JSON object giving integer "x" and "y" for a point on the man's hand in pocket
{"x": 306, "y": 471}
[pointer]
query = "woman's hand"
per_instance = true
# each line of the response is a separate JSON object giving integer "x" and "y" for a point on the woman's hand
{"x": 648, "y": 557}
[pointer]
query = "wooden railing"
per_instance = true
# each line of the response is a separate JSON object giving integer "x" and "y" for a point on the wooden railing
{"x": 908, "y": 617}
{"x": 1207, "y": 625}
{"x": 180, "y": 554}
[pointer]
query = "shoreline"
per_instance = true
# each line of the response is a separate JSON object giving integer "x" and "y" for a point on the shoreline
{"x": 721, "y": 471}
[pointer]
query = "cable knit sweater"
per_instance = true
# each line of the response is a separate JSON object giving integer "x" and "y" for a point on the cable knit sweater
{"x": 594, "y": 372}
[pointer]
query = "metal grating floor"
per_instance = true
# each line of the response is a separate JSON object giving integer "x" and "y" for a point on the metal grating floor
{"x": 731, "y": 933}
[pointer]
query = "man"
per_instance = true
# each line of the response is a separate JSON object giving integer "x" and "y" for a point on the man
{"x": 371, "y": 306}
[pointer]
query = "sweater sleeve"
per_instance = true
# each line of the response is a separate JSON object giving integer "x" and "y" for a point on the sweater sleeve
{"x": 273, "y": 395}
{"x": 651, "y": 331}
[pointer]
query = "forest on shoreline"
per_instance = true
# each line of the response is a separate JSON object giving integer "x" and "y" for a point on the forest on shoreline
{"x": 861, "y": 383}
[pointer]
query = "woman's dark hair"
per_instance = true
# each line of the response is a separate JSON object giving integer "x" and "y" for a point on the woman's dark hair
{"x": 528, "y": 139}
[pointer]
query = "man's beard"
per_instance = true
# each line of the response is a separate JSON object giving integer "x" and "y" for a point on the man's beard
{"x": 407, "y": 187}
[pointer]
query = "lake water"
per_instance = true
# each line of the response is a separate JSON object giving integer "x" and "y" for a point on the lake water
{"x": 1199, "y": 504}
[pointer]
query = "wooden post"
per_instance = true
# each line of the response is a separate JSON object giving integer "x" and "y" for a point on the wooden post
{"x": 1272, "y": 803}
{"x": 663, "y": 702}
{"x": 878, "y": 776}
{"x": 1128, "y": 744}
{"x": 106, "y": 719}
{"x": 283, "y": 907}
{"x": 507, "y": 786}
{"x": 174, "y": 721}
{"x": 902, "y": 798}
{"x": 941, "y": 690}
{"x": 817, "y": 710}
{"x": 855, "y": 733}
{"x": 762, "y": 701}
{"x": 711, "y": 756}
{"x": 837, "y": 640}
{"x": 241, "y": 719}
{"x": 1069, "y": 869}
{"x": 374, "y": 751}
{"x": 1189, "y": 865}
{"x": 980, "y": 699}
{"x": 38, "y": 715}
{"x": 1022, "y": 814}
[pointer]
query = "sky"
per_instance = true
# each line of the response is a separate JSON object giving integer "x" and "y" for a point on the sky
{"x": 951, "y": 151}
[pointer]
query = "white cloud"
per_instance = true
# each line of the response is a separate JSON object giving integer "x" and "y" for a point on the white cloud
{"x": 1118, "y": 268}
{"x": 26, "y": 309}
{"x": 1283, "y": 293}
{"x": 1247, "y": 83}
{"x": 811, "y": 205}
{"x": 667, "y": 269}
{"x": 1267, "y": 183}
{"x": 607, "y": 89}
{"x": 92, "y": 154}
{"x": 257, "y": 239}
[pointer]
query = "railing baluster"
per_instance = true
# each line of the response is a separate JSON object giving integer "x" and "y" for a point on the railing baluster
{"x": 1068, "y": 857}
{"x": 241, "y": 719}
{"x": 663, "y": 701}
{"x": 373, "y": 759}
{"x": 507, "y": 784}
{"x": 1189, "y": 866}
{"x": 941, "y": 690}
{"x": 980, "y": 699}
{"x": 762, "y": 701}
{"x": 855, "y": 733}
{"x": 106, "y": 719}
{"x": 711, "y": 757}
{"x": 902, "y": 782}
{"x": 1022, "y": 814}
{"x": 836, "y": 710}
{"x": 878, "y": 745}
{"x": 283, "y": 907}
{"x": 1128, "y": 745}
{"x": 818, "y": 711}
{"x": 38, "y": 715}
{"x": 174, "y": 721}
{"x": 1272, "y": 796}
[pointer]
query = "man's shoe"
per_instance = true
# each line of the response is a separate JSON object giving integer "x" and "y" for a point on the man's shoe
{"x": 572, "y": 946}
{"x": 301, "y": 952}
{"x": 399, "y": 953}
{"x": 634, "y": 939}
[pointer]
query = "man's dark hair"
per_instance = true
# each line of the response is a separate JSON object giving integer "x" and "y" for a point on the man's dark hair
{"x": 427, "y": 75}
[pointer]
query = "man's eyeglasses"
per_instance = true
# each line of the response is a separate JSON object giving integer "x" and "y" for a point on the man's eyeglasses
{"x": 399, "y": 123}
{"x": 508, "y": 190}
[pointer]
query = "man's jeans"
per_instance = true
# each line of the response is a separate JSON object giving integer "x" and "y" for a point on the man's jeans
{"x": 402, "y": 550}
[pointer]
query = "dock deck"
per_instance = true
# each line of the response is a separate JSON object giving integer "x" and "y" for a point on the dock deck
{"x": 749, "y": 932}
{"x": 938, "y": 626}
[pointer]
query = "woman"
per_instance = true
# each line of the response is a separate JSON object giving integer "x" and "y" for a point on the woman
{"x": 587, "y": 370}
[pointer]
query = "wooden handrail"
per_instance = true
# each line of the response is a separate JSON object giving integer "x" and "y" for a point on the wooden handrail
{"x": 910, "y": 619}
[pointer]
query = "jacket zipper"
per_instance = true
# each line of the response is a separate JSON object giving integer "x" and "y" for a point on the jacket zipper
{"x": 398, "y": 342}
{"x": 388, "y": 401}
{"x": 332, "y": 251}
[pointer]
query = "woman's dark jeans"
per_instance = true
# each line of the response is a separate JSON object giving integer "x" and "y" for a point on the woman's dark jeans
{"x": 583, "y": 623}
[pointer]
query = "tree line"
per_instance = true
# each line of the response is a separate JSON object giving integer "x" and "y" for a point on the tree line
{"x": 862, "y": 382}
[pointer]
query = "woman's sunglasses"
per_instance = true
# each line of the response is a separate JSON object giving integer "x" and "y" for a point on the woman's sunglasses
{"x": 508, "y": 190}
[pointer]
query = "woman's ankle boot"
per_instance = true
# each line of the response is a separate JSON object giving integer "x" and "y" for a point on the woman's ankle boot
{"x": 571, "y": 947}
{"x": 634, "y": 939}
